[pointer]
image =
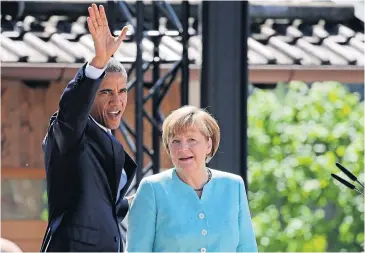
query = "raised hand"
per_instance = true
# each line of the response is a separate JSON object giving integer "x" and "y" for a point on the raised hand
{"x": 104, "y": 42}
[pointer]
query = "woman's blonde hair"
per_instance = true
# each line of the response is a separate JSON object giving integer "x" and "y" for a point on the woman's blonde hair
{"x": 190, "y": 116}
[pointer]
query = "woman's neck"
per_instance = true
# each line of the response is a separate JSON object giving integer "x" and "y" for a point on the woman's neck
{"x": 196, "y": 179}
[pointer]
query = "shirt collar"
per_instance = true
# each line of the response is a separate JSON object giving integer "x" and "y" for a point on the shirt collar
{"x": 101, "y": 126}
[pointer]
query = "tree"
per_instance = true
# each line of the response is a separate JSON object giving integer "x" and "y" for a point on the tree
{"x": 295, "y": 136}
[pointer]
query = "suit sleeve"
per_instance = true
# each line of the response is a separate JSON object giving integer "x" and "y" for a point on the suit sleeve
{"x": 247, "y": 240}
{"x": 142, "y": 220}
{"x": 74, "y": 108}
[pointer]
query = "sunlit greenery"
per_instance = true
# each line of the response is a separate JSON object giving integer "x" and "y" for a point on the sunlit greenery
{"x": 296, "y": 134}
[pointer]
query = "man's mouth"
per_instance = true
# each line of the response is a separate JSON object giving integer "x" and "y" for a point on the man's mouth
{"x": 114, "y": 113}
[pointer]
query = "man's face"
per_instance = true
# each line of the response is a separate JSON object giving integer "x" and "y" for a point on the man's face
{"x": 110, "y": 100}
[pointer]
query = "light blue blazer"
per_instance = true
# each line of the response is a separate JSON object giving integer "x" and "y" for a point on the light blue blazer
{"x": 168, "y": 216}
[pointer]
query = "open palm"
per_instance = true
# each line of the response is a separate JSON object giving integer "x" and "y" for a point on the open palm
{"x": 104, "y": 42}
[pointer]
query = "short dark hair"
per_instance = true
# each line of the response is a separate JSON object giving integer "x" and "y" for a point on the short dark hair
{"x": 115, "y": 66}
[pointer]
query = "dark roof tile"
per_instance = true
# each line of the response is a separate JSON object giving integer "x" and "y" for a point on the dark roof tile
{"x": 334, "y": 58}
{"x": 293, "y": 52}
{"x": 256, "y": 58}
{"x": 6, "y": 56}
{"x": 15, "y": 47}
{"x": 332, "y": 45}
{"x": 356, "y": 43}
{"x": 40, "y": 45}
{"x": 261, "y": 50}
{"x": 313, "y": 51}
{"x": 272, "y": 41}
{"x": 360, "y": 36}
{"x": 281, "y": 58}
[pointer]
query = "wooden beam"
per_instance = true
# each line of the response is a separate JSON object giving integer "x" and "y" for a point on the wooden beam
{"x": 23, "y": 173}
{"x": 268, "y": 74}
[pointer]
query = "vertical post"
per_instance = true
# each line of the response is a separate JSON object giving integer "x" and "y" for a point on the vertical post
{"x": 155, "y": 107}
{"x": 245, "y": 31}
{"x": 224, "y": 85}
{"x": 139, "y": 91}
{"x": 111, "y": 15}
{"x": 185, "y": 57}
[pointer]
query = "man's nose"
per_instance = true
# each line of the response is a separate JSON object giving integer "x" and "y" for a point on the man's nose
{"x": 116, "y": 99}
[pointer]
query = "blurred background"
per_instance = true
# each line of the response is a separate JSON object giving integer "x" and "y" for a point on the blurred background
{"x": 285, "y": 80}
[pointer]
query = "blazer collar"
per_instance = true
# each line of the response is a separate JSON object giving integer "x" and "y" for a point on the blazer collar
{"x": 101, "y": 126}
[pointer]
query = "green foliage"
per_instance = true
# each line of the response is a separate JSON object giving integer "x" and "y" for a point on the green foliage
{"x": 44, "y": 214}
{"x": 296, "y": 134}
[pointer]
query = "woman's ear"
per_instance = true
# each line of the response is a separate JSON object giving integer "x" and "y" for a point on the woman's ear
{"x": 209, "y": 146}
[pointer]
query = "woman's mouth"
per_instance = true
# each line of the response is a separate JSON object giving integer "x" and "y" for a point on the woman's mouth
{"x": 187, "y": 158}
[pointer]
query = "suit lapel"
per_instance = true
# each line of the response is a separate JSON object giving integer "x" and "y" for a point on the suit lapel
{"x": 118, "y": 159}
{"x": 130, "y": 168}
{"x": 102, "y": 142}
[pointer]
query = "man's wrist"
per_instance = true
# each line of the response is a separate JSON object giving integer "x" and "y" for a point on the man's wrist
{"x": 98, "y": 63}
{"x": 93, "y": 72}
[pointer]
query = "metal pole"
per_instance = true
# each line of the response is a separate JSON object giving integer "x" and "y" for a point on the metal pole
{"x": 244, "y": 88}
{"x": 224, "y": 71}
{"x": 139, "y": 92}
{"x": 185, "y": 57}
{"x": 111, "y": 16}
{"x": 155, "y": 105}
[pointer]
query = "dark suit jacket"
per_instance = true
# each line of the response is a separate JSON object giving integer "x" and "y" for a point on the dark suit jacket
{"x": 83, "y": 169}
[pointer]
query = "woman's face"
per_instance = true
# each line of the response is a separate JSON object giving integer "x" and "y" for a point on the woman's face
{"x": 189, "y": 149}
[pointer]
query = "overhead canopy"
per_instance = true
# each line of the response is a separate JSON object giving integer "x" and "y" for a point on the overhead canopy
{"x": 313, "y": 46}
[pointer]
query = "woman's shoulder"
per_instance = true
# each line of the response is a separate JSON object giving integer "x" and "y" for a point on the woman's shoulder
{"x": 226, "y": 176}
{"x": 158, "y": 178}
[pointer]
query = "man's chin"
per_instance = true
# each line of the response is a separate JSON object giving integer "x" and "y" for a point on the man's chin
{"x": 113, "y": 125}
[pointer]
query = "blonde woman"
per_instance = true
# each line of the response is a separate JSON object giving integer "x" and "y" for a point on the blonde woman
{"x": 190, "y": 207}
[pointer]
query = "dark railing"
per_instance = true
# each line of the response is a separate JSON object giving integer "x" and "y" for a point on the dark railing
{"x": 148, "y": 158}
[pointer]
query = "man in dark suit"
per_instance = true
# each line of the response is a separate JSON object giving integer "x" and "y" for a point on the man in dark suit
{"x": 88, "y": 172}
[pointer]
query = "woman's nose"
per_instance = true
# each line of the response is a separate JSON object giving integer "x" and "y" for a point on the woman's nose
{"x": 183, "y": 146}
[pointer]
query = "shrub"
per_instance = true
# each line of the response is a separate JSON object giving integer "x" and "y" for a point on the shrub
{"x": 295, "y": 136}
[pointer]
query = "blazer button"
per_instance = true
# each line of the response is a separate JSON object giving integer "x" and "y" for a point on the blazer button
{"x": 116, "y": 238}
{"x": 203, "y": 250}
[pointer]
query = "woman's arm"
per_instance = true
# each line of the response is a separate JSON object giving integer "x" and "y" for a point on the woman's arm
{"x": 247, "y": 240}
{"x": 142, "y": 219}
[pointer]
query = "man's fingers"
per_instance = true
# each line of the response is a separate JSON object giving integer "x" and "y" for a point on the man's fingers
{"x": 97, "y": 15}
{"x": 92, "y": 18}
{"x": 91, "y": 26}
{"x": 104, "y": 20}
{"x": 123, "y": 34}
